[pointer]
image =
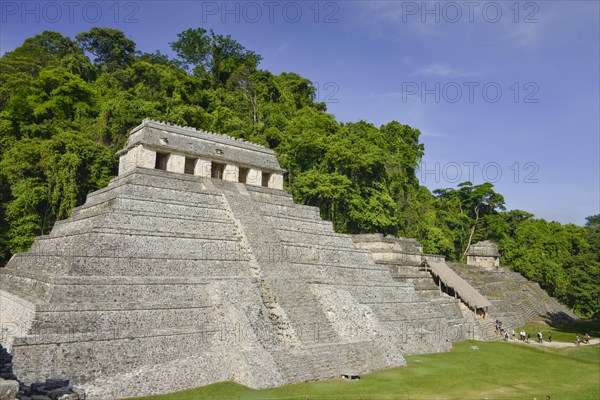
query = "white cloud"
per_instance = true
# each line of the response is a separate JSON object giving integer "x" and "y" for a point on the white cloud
{"x": 441, "y": 70}
{"x": 386, "y": 20}
{"x": 529, "y": 25}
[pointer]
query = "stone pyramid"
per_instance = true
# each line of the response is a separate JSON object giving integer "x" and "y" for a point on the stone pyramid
{"x": 194, "y": 266}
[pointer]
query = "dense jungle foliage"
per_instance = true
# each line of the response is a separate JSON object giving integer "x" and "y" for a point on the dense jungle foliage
{"x": 67, "y": 105}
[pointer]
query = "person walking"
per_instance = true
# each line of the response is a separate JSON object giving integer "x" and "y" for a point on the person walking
{"x": 587, "y": 339}
{"x": 550, "y": 337}
{"x": 578, "y": 340}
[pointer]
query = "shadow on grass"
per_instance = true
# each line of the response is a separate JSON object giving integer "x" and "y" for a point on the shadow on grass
{"x": 589, "y": 326}
{"x": 559, "y": 318}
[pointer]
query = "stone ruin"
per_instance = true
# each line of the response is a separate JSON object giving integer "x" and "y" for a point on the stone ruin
{"x": 484, "y": 254}
{"x": 194, "y": 266}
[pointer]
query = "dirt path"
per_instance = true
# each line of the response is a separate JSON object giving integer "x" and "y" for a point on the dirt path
{"x": 559, "y": 344}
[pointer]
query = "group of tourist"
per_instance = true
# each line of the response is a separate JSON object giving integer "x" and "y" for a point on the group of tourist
{"x": 505, "y": 333}
{"x": 525, "y": 337}
{"x": 587, "y": 339}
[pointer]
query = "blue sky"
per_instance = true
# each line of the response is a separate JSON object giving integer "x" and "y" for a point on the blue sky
{"x": 504, "y": 91}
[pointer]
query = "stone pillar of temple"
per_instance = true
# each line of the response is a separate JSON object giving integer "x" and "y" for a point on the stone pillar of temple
{"x": 176, "y": 163}
{"x": 276, "y": 181}
{"x": 254, "y": 177}
{"x": 231, "y": 173}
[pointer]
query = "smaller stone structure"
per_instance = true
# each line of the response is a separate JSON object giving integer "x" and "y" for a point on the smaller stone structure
{"x": 515, "y": 300}
{"x": 484, "y": 254}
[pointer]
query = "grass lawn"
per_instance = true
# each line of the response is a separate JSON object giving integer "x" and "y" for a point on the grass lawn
{"x": 563, "y": 333}
{"x": 496, "y": 370}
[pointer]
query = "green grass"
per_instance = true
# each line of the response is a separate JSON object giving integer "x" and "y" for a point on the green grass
{"x": 495, "y": 371}
{"x": 563, "y": 333}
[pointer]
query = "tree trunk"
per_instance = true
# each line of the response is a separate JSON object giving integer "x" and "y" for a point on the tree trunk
{"x": 471, "y": 234}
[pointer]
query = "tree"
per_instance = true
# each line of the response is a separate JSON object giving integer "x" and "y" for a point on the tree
{"x": 301, "y": 91}
{"x": 48, "y": 49}
{"x": 465, "y": 209}
{"x": 324, "y": 190}
{"x": 58, "y": 94}
{"x": 404, "y": 153}
{"x": 255, "y": 89}
{"x": 552, "y": 255}
{"x": 110, "y": 47}
{"x": 583, "y": 291}
{"x": 193, "y": 48}
{"x": 47, "y": 178}
{"x": 213, "y": 55}
{"x": 48, "y": 45}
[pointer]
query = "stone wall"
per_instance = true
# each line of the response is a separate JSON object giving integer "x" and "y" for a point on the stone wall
{"x": 484, "y": 262}
{"x": 484, "y": 254}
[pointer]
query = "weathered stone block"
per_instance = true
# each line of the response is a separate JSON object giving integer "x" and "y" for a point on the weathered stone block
{"x": 55, "y": 394}
{"x": 56, "y": 383}
{"x": 8, "y": 389}
{"x": 68, "y": 396}
{"x": 231, "y": 173}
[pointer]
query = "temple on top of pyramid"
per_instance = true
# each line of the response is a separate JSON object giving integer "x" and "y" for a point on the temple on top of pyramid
{"x": 185, "y": 150}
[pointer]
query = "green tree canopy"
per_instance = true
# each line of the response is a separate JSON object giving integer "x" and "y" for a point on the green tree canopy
{"x": 110, "y": 47}
{"x": 210, "y": 54}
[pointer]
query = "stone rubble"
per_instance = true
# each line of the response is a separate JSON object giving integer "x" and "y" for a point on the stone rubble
{"x": 51, "y": 389}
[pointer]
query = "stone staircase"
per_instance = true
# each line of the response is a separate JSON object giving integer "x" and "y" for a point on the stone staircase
{"x": 488, "y": 326}
{"x": 346, "y": 281}
{"x": 515, "y": 300}
{"x": 301, "y": 307}
{"x": 418, "y": 276}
